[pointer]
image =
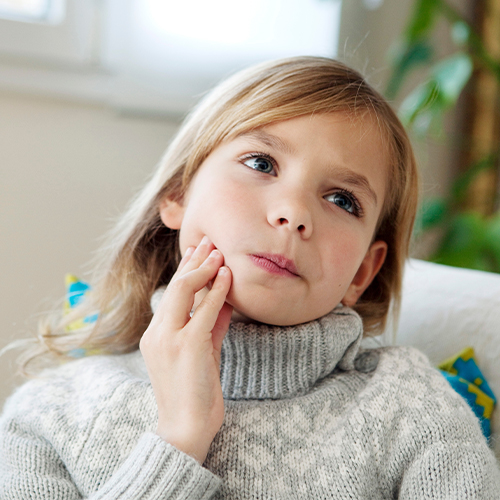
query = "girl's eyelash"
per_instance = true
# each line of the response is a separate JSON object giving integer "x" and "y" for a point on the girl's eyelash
{"x": 257, "y": 154}
{"x": 357, "y": 208}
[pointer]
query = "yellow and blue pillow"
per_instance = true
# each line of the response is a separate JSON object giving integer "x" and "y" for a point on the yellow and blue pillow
{"x": 76, "y": 290}
{"x": 466, "y": 378}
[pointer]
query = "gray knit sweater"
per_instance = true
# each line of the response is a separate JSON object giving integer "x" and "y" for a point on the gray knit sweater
{"x": 306, "y": 417}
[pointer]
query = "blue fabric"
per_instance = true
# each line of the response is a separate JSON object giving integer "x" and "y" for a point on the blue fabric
{"x": 464, "y": 375}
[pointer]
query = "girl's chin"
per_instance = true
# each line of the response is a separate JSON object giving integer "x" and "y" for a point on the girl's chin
{"x": 238, "y": 317}
{"x": 268, "y": 319}
{"x": 244, "y": 317}
{"x": 257, "y": 305}
{"x": 259, "y": 310}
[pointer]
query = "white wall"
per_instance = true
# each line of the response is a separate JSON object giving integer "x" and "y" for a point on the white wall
{"x": 66, "y": 170}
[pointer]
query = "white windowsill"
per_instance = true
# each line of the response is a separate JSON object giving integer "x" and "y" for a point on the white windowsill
{"x": 90, "y": 85}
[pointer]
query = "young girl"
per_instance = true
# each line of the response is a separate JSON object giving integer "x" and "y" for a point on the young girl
{"x": 290, "y": 194}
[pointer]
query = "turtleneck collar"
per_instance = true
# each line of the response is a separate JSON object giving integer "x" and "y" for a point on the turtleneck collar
{"x": 260, "y": 361}
{"x": 274, "y": 362}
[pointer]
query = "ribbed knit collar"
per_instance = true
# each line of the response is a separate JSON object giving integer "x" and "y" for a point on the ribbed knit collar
{"x": 274, "y": 362}
{"x": 268, "y": 362}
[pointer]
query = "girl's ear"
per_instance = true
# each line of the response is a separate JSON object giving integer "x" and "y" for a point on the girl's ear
{"x": 368, "y": 269}
{"x": 171, "y": 213}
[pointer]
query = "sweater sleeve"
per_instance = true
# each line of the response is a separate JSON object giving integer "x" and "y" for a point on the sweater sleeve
{"x": 85, "y": 432}
{"x": 30, "y": 468}
{"x": 157, "y": 470}
{"x": 457, "y": 471}
{"x": 434, "y": 447}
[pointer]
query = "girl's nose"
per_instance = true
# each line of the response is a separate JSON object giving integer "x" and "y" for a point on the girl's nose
{"x": 292, "y": 214}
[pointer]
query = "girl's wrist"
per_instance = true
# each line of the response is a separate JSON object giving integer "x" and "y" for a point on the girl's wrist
{"x": 194, "y": 446}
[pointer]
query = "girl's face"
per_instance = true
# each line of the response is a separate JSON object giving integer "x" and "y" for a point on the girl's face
{"x": 293, "y": 208}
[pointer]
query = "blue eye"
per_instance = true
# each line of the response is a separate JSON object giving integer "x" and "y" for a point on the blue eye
{"x": 260, "y": 163}
{"x": 342, "y": 201}
{"x": 346, "y": 201}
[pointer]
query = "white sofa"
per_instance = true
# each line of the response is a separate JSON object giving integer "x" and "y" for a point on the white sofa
{"x": 445, "y": 309}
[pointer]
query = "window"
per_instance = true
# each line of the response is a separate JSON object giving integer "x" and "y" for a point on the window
{"x": 26, "y": 10}
{"x": 175, "y": 50}
{"x": 153, "y": 56}
{"x": 60, "y": 33}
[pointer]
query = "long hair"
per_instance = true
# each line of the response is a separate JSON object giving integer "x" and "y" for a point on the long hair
{"x": 141, "y": 254}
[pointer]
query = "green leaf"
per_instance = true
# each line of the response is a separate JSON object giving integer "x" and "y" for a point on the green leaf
{"x": 432, "y": 212}
{"x": 419, "y": 100}
{"x": 461, "y": 185}
{"x": 429, "y": 122}
{"x": 405, "y": 58}
{"x": 422, "y": 21}
{"x": 427, "y": 103}
{"x": 460, "y": 33}
{"x": 492, "y": 239}
{"x": 451, "y": 75}
{"x": 464, "y": 243}
{"x": 465, "y": 232}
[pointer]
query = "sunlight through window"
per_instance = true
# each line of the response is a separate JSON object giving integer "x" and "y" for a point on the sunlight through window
{"x": 179, "y": 49}
{"x": 215, "y": 37}
{"x": 264, "y": 27}
{"x": 32, "y": 10}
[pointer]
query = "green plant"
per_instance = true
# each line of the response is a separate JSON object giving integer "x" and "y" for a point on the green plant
{"x": 469, "y": 239}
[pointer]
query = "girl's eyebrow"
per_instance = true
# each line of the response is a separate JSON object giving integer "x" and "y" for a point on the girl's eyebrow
{"x": 344, "y": 174}
{"x": 347, "y": 176}
{"x": 269, "y": 140}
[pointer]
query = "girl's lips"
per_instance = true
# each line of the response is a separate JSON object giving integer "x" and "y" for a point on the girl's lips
{"x": 275, "y": 264}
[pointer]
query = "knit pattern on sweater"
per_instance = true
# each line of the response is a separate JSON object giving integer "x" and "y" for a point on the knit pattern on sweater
{"x": 300, "y": 423}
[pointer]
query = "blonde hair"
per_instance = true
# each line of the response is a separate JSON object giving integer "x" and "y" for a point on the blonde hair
{"x": 142, "y": 254}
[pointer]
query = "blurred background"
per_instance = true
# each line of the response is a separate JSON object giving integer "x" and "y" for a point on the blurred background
{"x": 92, "y": 91}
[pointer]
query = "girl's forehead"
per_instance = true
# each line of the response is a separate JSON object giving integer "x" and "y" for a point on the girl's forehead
{"x": 356, "y": 127}
{"x": 356, "y": 121}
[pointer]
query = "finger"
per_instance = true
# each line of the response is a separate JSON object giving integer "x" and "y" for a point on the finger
{"x": 199, "y": 256}
{"x": 188, "y": 255}
{"x": 179, "y": 296}
{"x": 185, "y": 258}
{"x": 199, "y": 252}
{"x": 207, "y": 313}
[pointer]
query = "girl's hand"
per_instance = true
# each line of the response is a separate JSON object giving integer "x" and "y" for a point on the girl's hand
{"x": 182, "y": 353}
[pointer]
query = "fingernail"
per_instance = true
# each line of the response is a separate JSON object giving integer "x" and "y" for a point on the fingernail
{"x": 205, "y": 240}
{"x": 189, "y": 252}
{"x": 222, "y": 270}
{"x": 214, "y": 253}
